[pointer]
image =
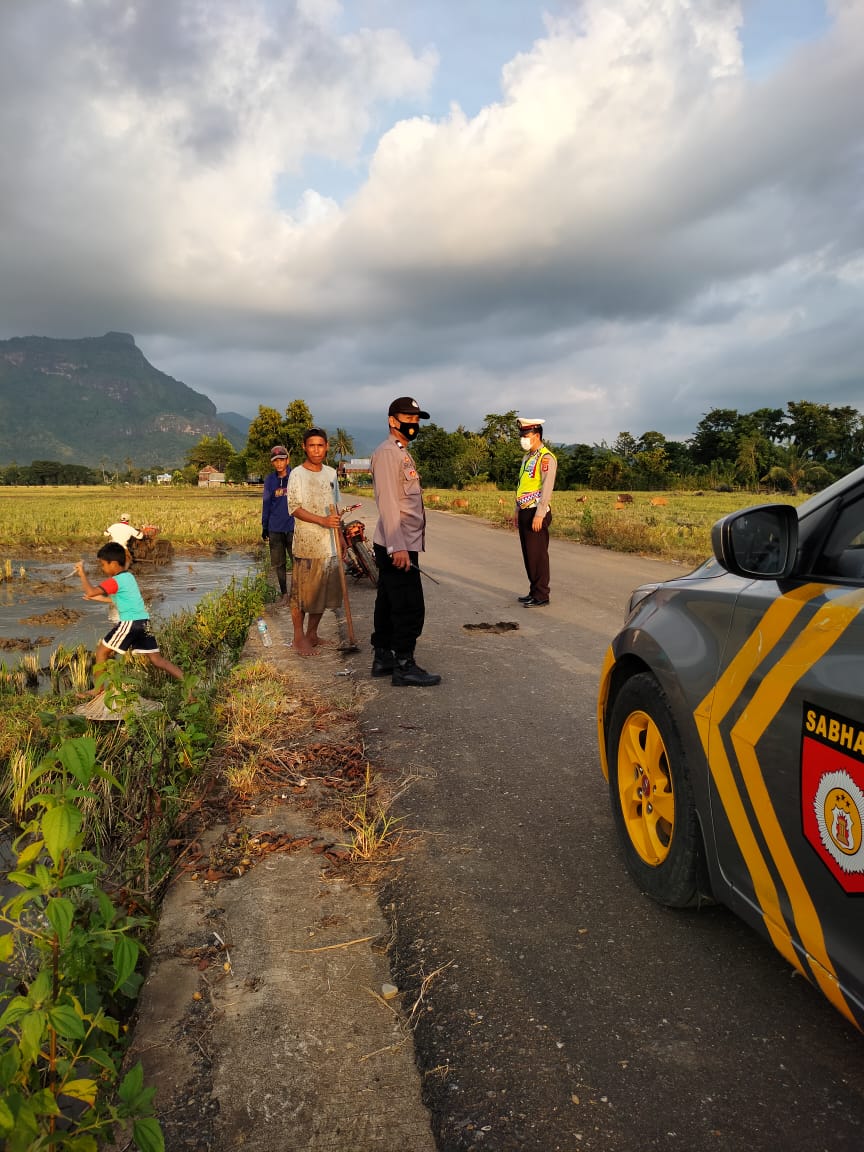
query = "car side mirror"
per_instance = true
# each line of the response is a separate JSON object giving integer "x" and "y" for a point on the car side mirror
{"x": 759, "y": 543}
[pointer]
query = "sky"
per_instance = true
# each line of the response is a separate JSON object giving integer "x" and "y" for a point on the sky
{"x": 614, "y": 215}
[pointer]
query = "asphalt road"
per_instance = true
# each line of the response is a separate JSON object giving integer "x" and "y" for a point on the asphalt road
{"x": 563, "y": 1010}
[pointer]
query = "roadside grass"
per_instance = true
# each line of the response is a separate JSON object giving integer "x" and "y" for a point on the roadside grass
{"x": 668, "y": 525}
{"x": 269, "y": 723}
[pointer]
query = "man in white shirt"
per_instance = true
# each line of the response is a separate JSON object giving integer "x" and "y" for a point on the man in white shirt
{"x": 313, "y": 497}
{"x": 122, "y": 532}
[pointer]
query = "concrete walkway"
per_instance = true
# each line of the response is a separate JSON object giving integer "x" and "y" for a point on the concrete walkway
{"x": 262, "y": 1022}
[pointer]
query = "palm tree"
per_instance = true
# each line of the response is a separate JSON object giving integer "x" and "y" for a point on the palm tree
{"x": 796, "y": 470}
{"x": 343, "y": 444}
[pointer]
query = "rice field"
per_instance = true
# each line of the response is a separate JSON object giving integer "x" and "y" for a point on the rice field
{"x": 53, "y": 520}
{"x": 669, "y": 525}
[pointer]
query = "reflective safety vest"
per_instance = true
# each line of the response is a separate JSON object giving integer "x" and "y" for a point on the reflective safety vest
{"x": 531, "y": 478}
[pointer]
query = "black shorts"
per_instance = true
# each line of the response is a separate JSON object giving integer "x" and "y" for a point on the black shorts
{"x": 131, "y": 636}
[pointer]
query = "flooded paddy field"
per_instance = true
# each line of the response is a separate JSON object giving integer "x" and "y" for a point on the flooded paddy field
{"x": 41, "y": 605}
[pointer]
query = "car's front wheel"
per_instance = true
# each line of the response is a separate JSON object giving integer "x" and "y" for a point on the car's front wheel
{"x": 652, "y": 799}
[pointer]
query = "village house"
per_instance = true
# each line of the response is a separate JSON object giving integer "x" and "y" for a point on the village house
{"x": 210, "y": 477}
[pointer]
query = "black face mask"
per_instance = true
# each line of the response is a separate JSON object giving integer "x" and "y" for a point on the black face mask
{"x": 409, "y": 431}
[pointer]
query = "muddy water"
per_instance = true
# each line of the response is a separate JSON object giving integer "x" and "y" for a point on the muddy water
{"x": 42, "y": 609}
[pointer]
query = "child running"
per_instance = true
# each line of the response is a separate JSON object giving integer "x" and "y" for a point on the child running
{"x": 133, "y": 633}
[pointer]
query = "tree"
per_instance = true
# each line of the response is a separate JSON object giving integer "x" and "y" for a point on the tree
{"x": 823, "y": 433}
{"x": 237, "y": 470}
{"x": 626, "y": 446}
{"x": 608, "y": 471}
{"x": 795, "y": 471}
{"x": 471, "y": 459}
{"x": 574, "y": 466}
{"x": 716, "y": 437}
{"x": 435, "y": 451}
{"x": 342, "y": 444}
{"x": 269, "y": 428}
{"x": 216, "y": 451}
{"x": 499, "y": 427}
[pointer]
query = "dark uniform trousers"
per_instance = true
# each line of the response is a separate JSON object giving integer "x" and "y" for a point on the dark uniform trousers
{"x": 399, "y": 606}
{"x": 535, "y": 552}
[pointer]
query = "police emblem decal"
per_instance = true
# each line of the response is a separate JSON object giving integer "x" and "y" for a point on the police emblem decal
{"x": 832, "y": 794}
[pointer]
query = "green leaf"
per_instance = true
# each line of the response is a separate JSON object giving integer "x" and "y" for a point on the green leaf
{"x": 80, "y": 1142}
{"x": 108, "y": 1024}
{"x": 32, "y": 1034}
{"x": 44, "y": 1103}
{"x": 40, "y": 989}
{"x": 61, "y": 913}
{"x": 132, "y": 1083}
{"x": 107, "y": 911}
{"x": 10, "y": 1062}
{"x": 15, "y": 1009}
{"x": 30, "y": 853}
{"x": 79, "y": 757}
{"x": 7, "y": 947}
{"x": 60, "y": 827}
{"x": 125, "y": 958}
{"x": 22, "y": 879}
{"x": 81, "y": 1090}
{"x": 7, "y": 1120}
{"x": 66, "y": 1022}
{"x": 103, "y": 1059}
{"x": 148, "y": 1135}
{"x": 17, "y": 904}
{"x": 76, "y": 880}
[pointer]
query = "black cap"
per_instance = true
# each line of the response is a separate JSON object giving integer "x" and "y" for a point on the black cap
{"x": 406, "y": 406}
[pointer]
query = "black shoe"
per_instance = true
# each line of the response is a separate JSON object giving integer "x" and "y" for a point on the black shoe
{"x": 532, "y": 603}
{"x": 383, "y": 663}
{"x": 524, "y": 599}
{"x": 407, "y": 674}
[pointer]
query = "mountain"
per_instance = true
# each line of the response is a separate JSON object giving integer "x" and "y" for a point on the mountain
{"x": 236, "y": 421}
{"x": 98, "y": 400}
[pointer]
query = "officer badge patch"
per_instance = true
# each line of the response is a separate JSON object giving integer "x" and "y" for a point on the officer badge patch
{"x": 832, "y": 794}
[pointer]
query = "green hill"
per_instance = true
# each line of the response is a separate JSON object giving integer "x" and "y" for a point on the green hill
{"x": 97, "y": 400}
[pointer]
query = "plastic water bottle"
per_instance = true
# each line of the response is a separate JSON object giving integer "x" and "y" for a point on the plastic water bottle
{"x": 266, "y": 638}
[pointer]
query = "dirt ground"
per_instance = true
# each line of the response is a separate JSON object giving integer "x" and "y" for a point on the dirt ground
{"x": 268, "y": 1020}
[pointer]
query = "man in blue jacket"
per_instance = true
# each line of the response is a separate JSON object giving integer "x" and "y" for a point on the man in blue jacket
{"x": 277, "y": 524}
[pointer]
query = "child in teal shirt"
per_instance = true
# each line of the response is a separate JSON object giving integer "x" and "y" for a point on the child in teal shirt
{"x": 133, "y": 632}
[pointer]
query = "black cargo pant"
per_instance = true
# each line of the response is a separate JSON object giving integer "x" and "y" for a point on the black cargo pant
{"x": 535, "y": 552}
{"x": 399, "y": 606}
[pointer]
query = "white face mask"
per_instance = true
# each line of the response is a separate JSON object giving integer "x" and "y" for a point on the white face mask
{"x": 525, "y": 443}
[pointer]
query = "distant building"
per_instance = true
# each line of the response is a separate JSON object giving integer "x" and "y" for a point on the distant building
{"x": 164, "y": 478}
{"x": 356, "y": 466}
{"x": 210, "y": 477}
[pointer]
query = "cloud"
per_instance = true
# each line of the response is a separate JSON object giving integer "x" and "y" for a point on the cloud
{"x": 632, "y": 231}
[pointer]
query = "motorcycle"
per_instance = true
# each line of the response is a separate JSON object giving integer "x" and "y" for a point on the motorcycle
{"x": 359, "y": 557}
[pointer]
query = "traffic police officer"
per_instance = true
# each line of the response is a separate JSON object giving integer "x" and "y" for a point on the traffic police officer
{"x": 533, "y": 513}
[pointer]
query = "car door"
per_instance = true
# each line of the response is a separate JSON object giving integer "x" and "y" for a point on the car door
{"x": 784, "y": 733}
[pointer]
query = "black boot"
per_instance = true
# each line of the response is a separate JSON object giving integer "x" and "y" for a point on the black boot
{"x": 382, "y": 664}
{"x": 407, "y": 674}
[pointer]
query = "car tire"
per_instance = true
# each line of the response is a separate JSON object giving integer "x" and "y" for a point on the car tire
{"x": 652, "y": 798}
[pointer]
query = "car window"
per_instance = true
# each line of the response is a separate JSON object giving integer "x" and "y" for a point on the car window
{"x": 842, "y": 556}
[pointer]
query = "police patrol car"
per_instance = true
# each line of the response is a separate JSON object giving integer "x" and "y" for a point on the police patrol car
{"x": 731, "y": 730}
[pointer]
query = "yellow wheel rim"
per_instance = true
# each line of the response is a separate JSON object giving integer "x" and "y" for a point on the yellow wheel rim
{"x": 645, "y": 788}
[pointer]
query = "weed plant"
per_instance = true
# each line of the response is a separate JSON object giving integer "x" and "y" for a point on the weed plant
{"x": 95, "y": 804}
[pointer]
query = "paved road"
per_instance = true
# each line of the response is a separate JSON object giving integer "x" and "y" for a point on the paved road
{"x": 572, "y": 1012}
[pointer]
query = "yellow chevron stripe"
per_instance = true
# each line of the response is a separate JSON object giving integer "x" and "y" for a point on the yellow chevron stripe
{"x": 823, "y": 631}
{"x": 708, "y": 716}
